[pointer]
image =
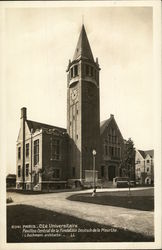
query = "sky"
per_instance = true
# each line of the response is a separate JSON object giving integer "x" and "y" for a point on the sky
{"x": 38, "y": 45}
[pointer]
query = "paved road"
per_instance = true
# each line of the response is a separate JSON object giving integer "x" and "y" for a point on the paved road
{"x": 131, "y": 219}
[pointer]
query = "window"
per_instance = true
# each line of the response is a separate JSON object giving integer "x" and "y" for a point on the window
{"x": 76, "y": 136}
{"x": 55, "y": 150}
{"x": 102, "y": 171}
{"x": 119, "y": 152}
{"x": 27, "y": 150}
{"x": 56, "y": 173}
{"x": 95, "y": 75}
{"x": 106, "y": 150}
{"x": 148, "y": 169}
{"x": 75, "y": 70}
{"x": 148, "y": 161}
{"x": 71, "y": 72}
{"x": 91, "y": 71}
{"x": 36, "y": 152}
{"x": 19, "y": 153}
{"x": 27, "y": 170}
{"x": 87, "y": 70}
{"x": 19, "y": 171}
{"x": 73, "y": 172}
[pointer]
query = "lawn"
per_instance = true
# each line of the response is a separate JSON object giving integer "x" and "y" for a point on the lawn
{"x": 138, "y": 199}
{"x": 30, "y": 224}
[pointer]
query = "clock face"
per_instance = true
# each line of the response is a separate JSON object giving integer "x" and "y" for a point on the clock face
{"x": 74, "y": 94}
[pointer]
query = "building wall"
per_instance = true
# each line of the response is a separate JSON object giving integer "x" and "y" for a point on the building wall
{"x": 111, "y": 152}
{"x": 29, "y": 159}
{"x": 55, "y": 166}
{"x": 144, "y": 168}
{"x": 82, "y": 118}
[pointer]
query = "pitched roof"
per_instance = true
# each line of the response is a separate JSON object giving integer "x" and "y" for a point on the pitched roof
{"x": 104, "y": 124}
{"x": 146, "y": 152}
{"x": 150, "y": 153}
{"x": 83, "y": 48}
{"x": 142, "y": 153}
{"x": 37, "y": 125}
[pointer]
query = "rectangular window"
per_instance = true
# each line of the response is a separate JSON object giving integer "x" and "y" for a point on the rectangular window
{"x": 91, "y": 71}
{"x": 75, "y": 70}
{"x": 27, "y": 170}
{"x": 148, "y": 161}
{"x": 106, "y": 150}
{"x": 87, "y": 70}
{"x": 19, "y": 171}
{"x": 95, "y": 74}
{"x": 71, "y": 72}
{"x": 27, "y": 150}
{"x": 19, "y": 153}
{"x": 119, "y": 152}
{"x": 55, "y": 149}
{"x": 36, "y": 152}
{"x": 56, "y": 173}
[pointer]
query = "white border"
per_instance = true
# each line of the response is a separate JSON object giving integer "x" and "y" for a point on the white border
{"x": 156, "y": 4}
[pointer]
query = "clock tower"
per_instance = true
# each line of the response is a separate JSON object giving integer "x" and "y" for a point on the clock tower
{"x": 83, "y": 115}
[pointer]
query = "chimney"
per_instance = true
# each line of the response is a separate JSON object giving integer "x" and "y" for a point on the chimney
{"x": 23, "y": 113}
{"x": 111, "y": 115}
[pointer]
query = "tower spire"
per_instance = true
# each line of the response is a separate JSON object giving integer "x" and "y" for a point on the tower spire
{"x": 83, "y": 48}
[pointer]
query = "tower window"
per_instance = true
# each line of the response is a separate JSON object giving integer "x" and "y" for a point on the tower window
{"x": 95, "y": 74}
{"x": 27, "y": 170}
{"x": 87, "y": 70}
{"x": 36, "y": 152}
{"x": 119, "y": 152}
{"x": 19, "y": 153}
{"x": 77, "y": 136}
{"x": 91, "y": 71}
{"x": 71, "y": 72}
{"x": 75, "y": 70}
{"x": 27, "y": 149}
{"x": 19, "y": 171}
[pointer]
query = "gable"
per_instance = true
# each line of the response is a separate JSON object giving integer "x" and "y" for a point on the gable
{"x": 110, "y": 126}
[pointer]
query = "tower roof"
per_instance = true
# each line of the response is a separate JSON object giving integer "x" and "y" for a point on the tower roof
{"x": 83, "y": 48}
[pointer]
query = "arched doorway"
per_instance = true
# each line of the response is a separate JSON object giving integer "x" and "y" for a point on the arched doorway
{"x": 111, "y": 172}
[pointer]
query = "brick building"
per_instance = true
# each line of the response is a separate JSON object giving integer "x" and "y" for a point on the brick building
{"x": 53, "y": 157}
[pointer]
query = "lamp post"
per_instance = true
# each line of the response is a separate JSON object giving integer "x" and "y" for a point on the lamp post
{"x": 94, "y": 176}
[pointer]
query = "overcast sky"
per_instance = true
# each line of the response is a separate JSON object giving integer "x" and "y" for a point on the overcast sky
{"x": 40, "y": 41}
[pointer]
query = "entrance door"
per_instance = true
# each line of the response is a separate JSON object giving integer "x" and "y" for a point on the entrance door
{"x": 111, "y": 173}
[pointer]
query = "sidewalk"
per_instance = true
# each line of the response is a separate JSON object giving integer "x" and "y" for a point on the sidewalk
{"x": 130, "y": 219}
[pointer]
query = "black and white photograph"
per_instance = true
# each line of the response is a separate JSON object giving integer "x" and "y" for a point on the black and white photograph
{"x": 81, "y": 125}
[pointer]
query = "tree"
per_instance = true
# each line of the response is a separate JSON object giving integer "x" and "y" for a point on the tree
{"x": 128, "y": 159}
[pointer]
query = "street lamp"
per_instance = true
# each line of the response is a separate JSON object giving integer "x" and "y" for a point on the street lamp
{"x": 94, "y": 176}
